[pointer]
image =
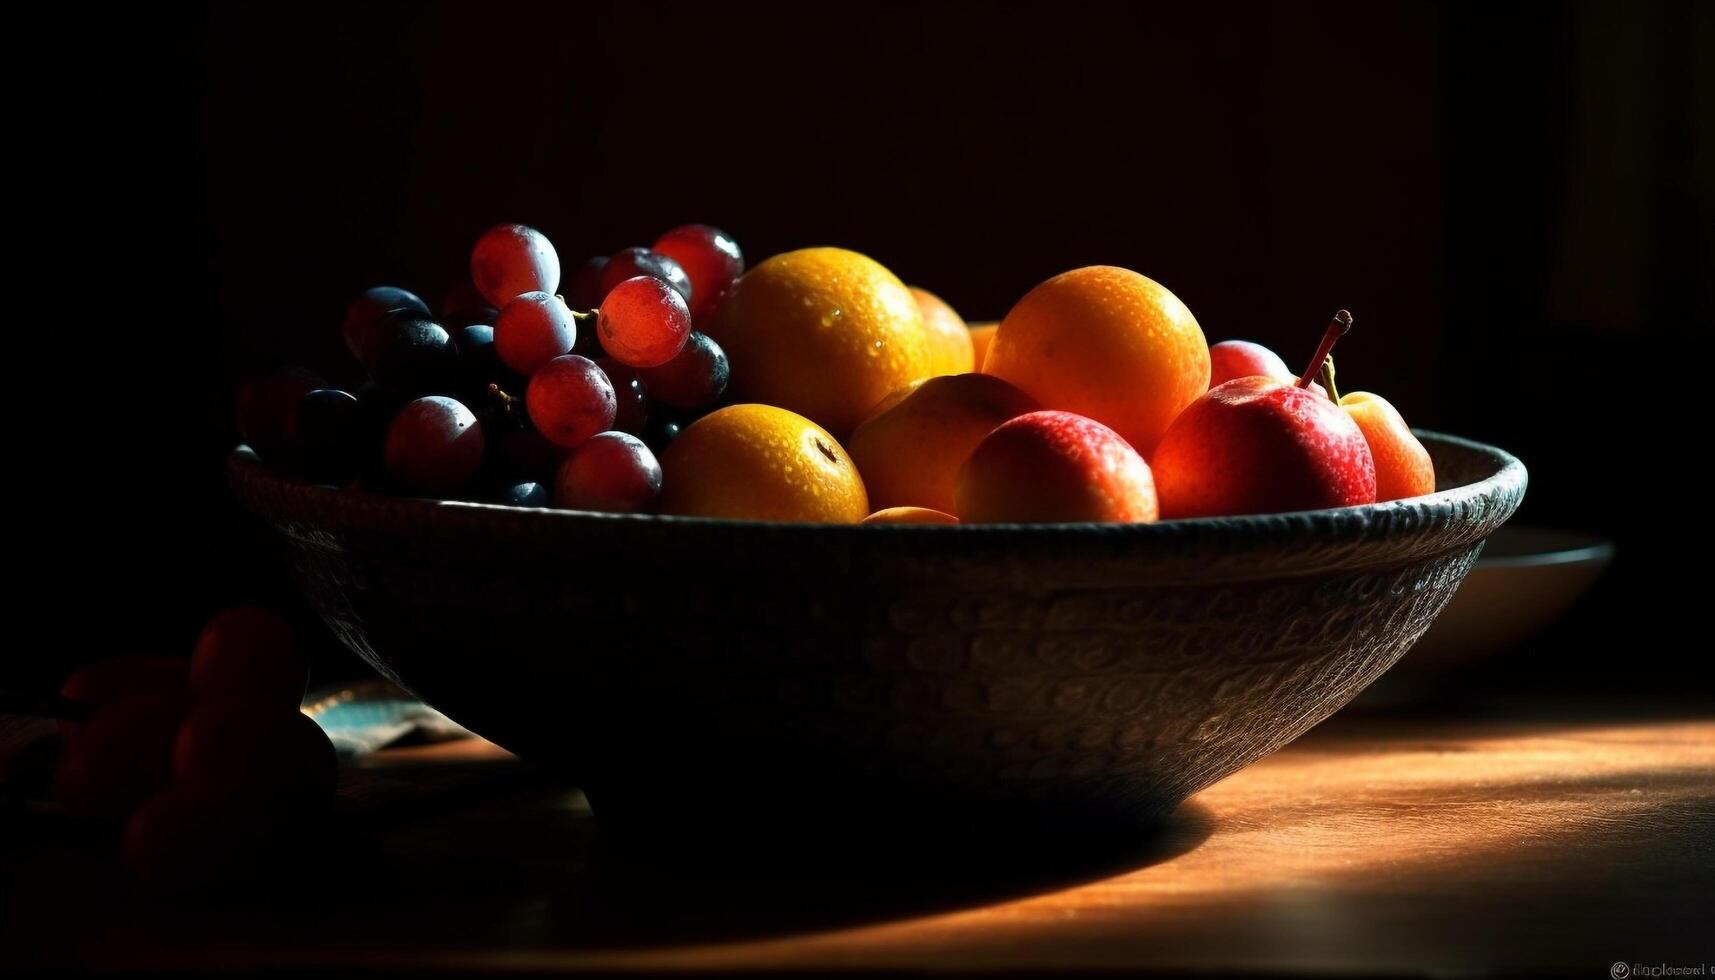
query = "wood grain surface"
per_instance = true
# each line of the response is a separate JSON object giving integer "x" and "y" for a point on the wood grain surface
{"x": 1371, "y": 846}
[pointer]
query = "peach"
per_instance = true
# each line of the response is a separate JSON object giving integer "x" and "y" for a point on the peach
{"x": 910, "y": 450}
{"x": 1055, "y": 467}
{"x": 1108, "y": 344}
{"x": 950, "y": 350}
{"x": 1403, "y": 467}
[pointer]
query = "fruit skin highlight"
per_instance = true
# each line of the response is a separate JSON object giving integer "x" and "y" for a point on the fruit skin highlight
{"x": 950, "y": 349}
{"x": 910, "y": 452}
{"x": 1403, "y": 466}
{"x": 1106, "y": 343}
{"x": 1259, "y": 446}
{"x": 760, "y": 463}
{"x": 982, "y": 335}
{"x": 1055, "y": 467}
{"x": 823, "y": 332}
{"x": 910, "y": 515}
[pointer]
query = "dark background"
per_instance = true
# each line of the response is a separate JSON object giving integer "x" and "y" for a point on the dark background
{"x": 1515, "y": 200}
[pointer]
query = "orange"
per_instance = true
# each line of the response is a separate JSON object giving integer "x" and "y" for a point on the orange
{"x": 1108, "y": 344}
{"x": 910, "y": 515}
{"x": 824, "y": 332}
{"x": 982, "y": 334}
{"x": 760, "y": 463}
{"x": 910, "y": 452}
{"x": 950, "y": 350}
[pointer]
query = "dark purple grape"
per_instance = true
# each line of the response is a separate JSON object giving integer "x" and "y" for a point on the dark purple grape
{"x": 463, "y": 305}
{"x": 633, "y": 395}
{"x": 524, "y": 455}
{"x": 660, "y": 430}
{"x": 696, "y": 376}
{"x": 411, "y": 354}
{"x": 479, "y": 363}
{"x": 267, "y": 411}
{"x": 585, "y": 293}
{"x": 329, "y": 438}
{"x": 369, "y": 308}
{"x": 528, "y": 493}
{"x": 640, "y": 261}
{"x": 434, "y": 446}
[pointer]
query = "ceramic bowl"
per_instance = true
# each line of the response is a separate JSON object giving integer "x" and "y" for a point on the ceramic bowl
{"x": 695, "y": 673}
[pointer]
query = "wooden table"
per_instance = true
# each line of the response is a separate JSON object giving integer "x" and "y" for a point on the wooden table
{"x": 1371, "y": 845}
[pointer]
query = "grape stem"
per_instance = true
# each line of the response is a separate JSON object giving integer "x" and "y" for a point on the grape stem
{"x": 1337, "y": 327}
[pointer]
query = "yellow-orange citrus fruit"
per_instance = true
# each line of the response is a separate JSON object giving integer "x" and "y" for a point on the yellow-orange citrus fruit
{"x": 824, "y": 332}
{"x": 1108, "y": 344}
{"x": 760, "y": 463}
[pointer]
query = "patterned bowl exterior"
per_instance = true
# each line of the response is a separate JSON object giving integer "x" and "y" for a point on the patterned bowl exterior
{"x": 1069, "y": 677}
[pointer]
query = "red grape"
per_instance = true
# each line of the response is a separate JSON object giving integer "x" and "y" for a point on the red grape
{"x": 586, "y": 292}
{"x": 532, "y": 330}
{"x": 643, "y": 322}
{"x": 368, "y": 309}
{"x": 510, "y": 260}
{"x": 709, "y": 257}
{"x": 644, "y": 262}
{"x": 570, "y": 399}
{"x": 434, "y": 445}
{"x": 613, "y": 472}
{"x": 252, "y": 652}
{"x": 695, "y": 377}
{"x": 633, "y": 395}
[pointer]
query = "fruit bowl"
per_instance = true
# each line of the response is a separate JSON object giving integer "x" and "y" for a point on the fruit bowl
{"x": 692, "y": 674}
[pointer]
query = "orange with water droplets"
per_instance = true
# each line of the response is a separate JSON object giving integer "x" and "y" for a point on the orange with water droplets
{"x": 950, "y": 350}
{"x": 1108, "y": 344}
{"x": 824, "y": 332}
{"x": 761, "y": 463}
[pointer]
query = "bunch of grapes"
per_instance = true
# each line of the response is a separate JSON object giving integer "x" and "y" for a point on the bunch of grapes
{"x": 518, "y": 392}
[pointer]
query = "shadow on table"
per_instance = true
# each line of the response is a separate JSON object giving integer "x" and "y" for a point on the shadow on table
{"x": 634, "y": 897}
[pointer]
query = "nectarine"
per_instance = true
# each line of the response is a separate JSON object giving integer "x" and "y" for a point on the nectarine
{"x": 910, "y": 452}
{"x": 1054, "y": 467}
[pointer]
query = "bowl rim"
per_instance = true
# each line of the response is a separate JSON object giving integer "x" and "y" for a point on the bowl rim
{"x": 1503, "y": 486}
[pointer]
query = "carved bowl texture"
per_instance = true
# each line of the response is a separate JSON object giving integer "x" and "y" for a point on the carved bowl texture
{"x": 1068, "y": 678}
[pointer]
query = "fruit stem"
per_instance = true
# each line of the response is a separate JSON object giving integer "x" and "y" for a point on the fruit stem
{"x": 1328, "y": 379}
{"x": 1337, "y": 328}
